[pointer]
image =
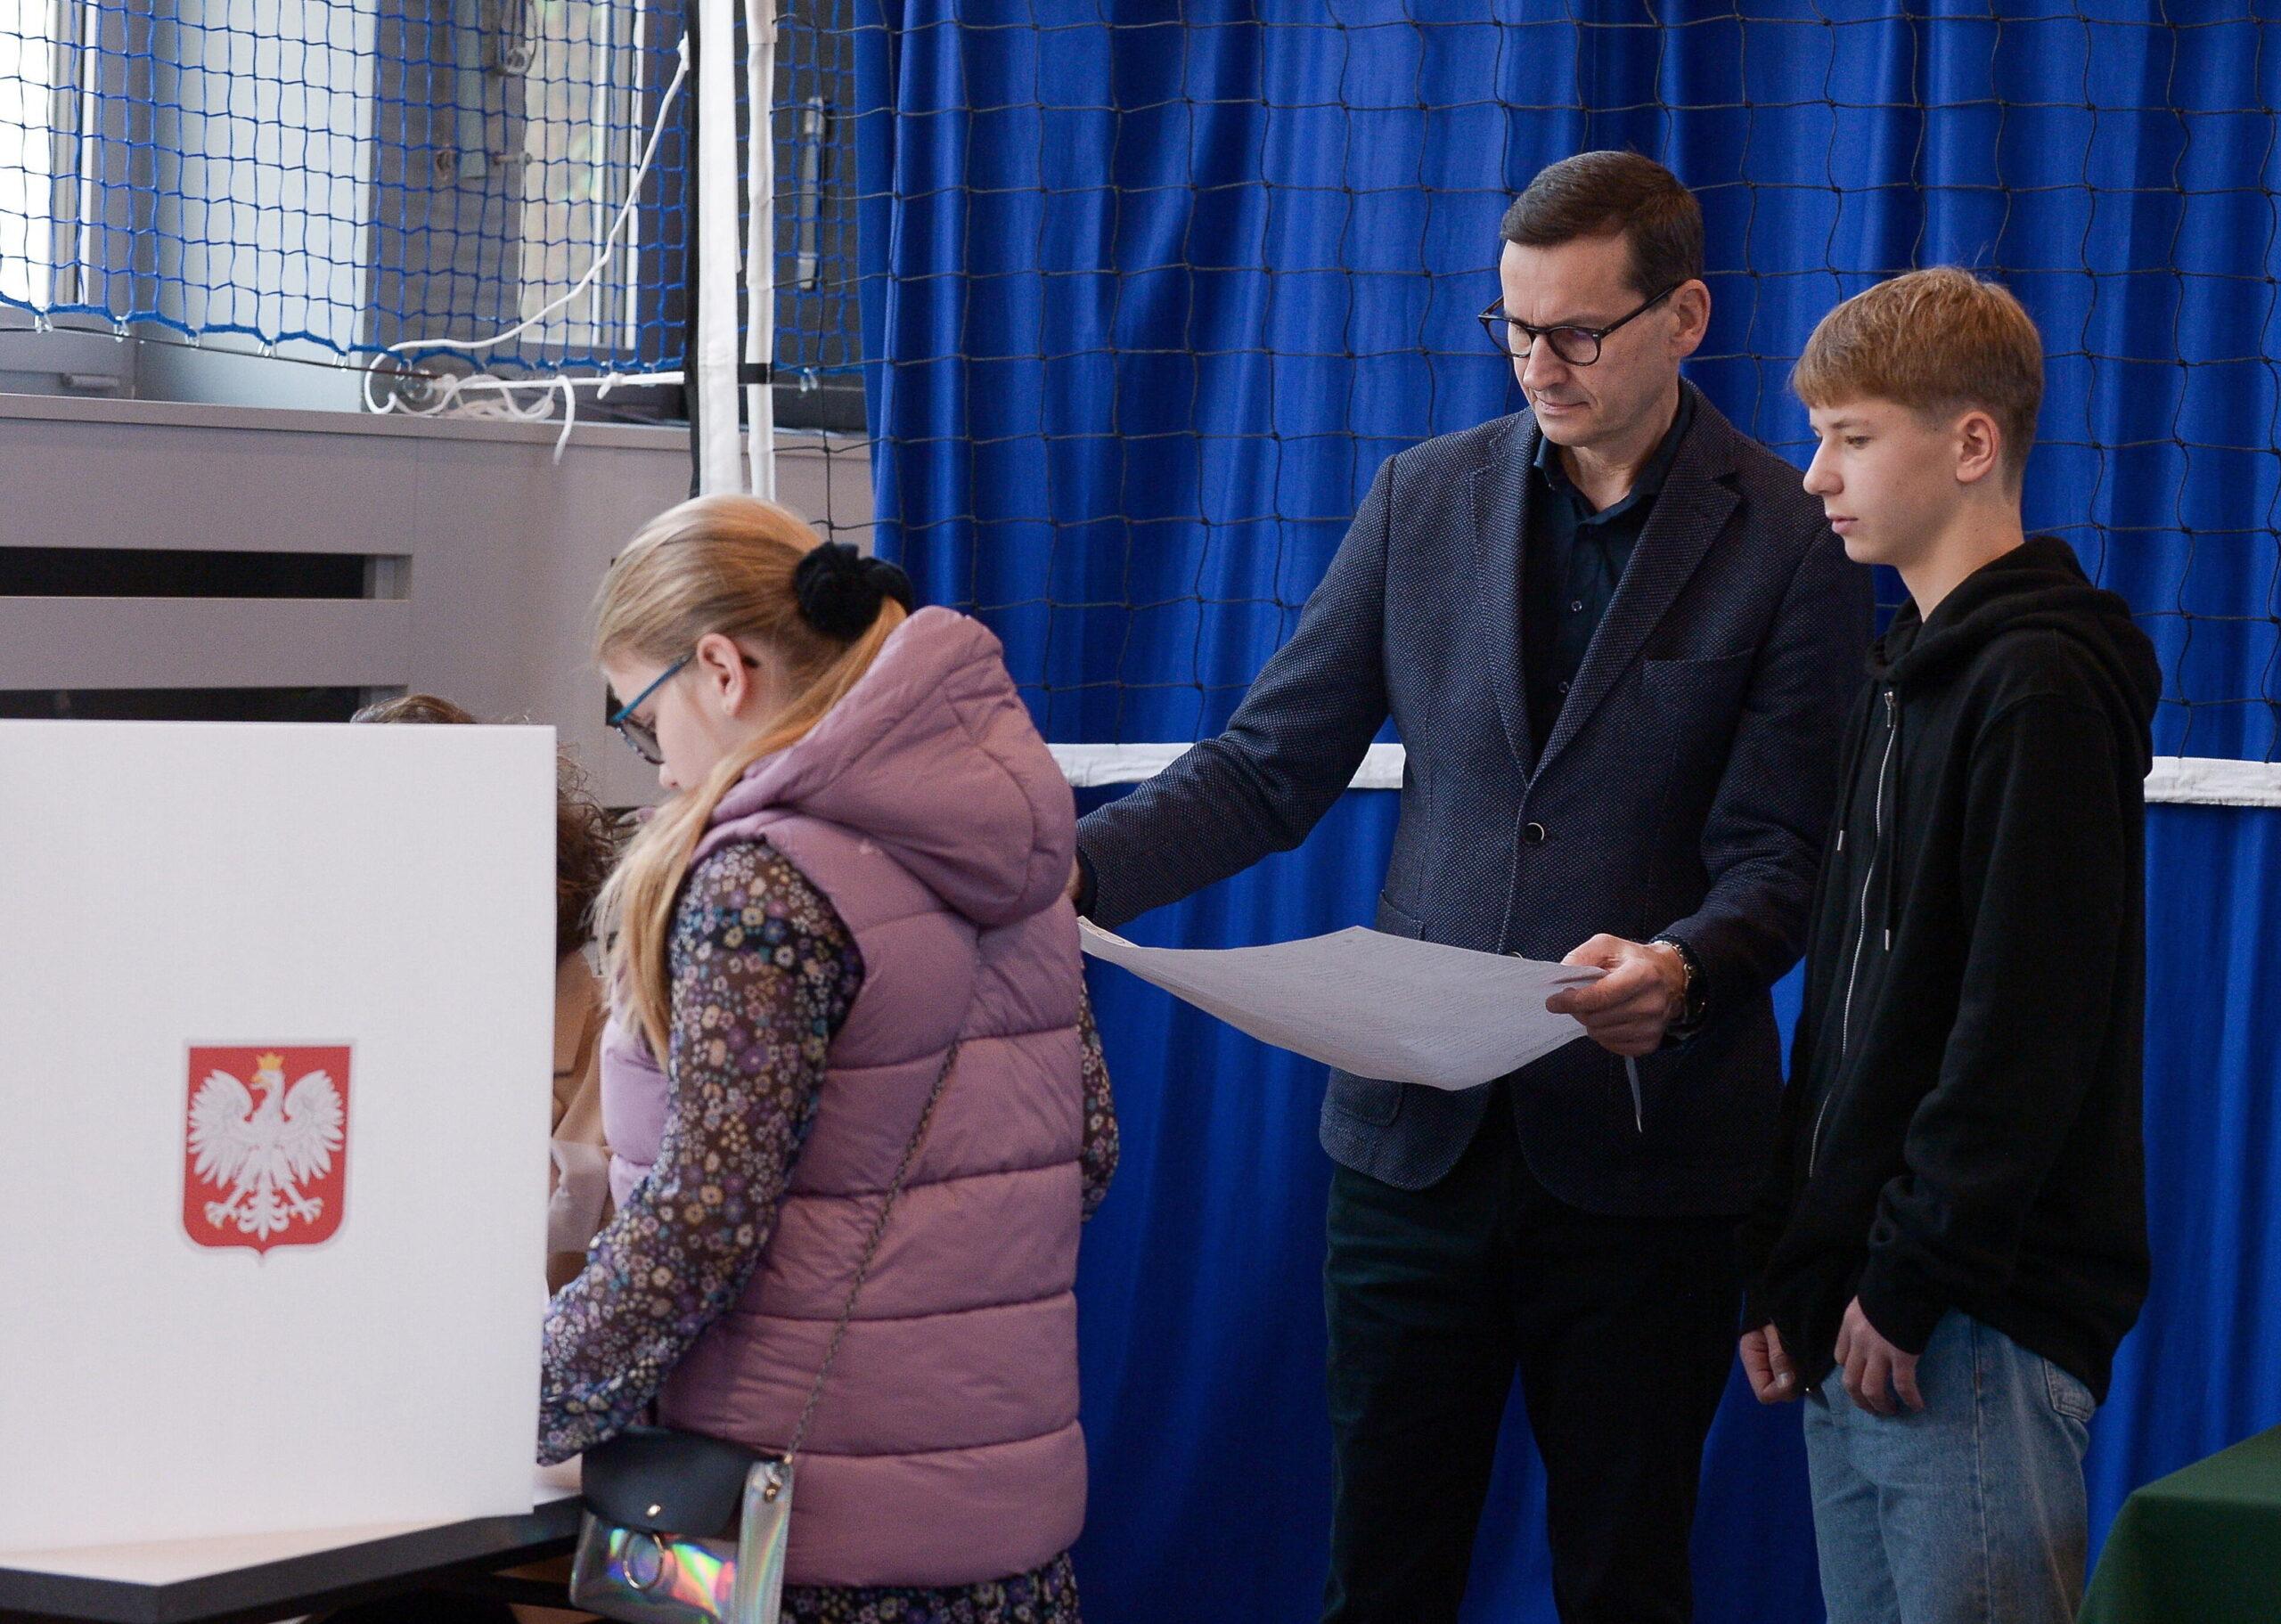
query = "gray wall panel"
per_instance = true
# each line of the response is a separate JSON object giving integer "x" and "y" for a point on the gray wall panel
{"x": 504, "y": 548}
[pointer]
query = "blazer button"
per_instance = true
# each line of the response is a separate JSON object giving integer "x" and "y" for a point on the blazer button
{"x": 1533, "y": 834}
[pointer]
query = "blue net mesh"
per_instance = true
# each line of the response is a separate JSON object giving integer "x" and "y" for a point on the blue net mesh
{"x": 1152, "y": 294}
{"x": 331, "y": 177}
{"x": 818, "y": 330}
{"x": 1151, "y": 297}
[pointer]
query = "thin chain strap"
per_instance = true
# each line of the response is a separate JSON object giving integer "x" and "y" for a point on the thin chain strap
{"x": 871, "y": 1252}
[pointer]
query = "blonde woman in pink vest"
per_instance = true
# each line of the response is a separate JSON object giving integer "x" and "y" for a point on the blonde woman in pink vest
{"x": 860, "y": 873}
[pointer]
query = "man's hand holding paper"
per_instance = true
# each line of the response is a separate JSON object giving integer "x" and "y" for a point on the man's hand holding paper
{"x": 1641, "y": 992}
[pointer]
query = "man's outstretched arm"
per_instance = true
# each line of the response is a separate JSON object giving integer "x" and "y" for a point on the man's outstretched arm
{"x": 1289, "y": 752}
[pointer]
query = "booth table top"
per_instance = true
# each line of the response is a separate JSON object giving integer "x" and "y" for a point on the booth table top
{"x": 249, "y": 1577}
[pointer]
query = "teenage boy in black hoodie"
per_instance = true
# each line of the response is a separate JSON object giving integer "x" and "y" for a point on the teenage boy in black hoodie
{"x": 1954, "y": 1225}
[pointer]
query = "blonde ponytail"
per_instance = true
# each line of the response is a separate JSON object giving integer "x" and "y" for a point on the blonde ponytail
{"x": 721, "y": 564}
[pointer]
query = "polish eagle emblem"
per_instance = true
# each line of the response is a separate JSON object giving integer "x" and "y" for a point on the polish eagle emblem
{"x": 263, "y": 1156}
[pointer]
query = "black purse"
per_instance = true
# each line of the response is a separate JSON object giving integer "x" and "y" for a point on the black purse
{"x": 682, "y": 1527}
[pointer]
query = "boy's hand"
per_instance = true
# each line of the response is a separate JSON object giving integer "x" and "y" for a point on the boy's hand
{"x": 1768, "y": 1367}
{"x": 1872, "y": 1363}
{"x": 1629, "y": 1009}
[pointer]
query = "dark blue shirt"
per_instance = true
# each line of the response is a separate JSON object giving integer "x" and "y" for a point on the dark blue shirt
{"x": 1571, "y": 561}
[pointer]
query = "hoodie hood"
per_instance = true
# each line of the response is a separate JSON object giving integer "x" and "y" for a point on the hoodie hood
{"x": 933, "y": 755}
{"x": 2039, "y": 587}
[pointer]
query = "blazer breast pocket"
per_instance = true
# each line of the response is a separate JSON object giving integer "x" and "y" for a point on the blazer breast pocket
{"x": 1717, "y": 670}
{"x": 1703, "y": 692}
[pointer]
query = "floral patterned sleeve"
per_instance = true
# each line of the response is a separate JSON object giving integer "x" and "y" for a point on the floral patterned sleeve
{"x": 763, "y": 971}
{"x": 1097, "y": 1161}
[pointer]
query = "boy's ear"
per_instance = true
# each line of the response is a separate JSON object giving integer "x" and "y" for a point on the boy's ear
{"x": 1980, "y": 447}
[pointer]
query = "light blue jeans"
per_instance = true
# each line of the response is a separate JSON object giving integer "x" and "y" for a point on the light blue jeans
{"x": 1968, "y": 1512}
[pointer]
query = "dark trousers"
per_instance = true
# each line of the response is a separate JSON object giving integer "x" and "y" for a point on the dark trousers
{"x": 1622, "y": 1330}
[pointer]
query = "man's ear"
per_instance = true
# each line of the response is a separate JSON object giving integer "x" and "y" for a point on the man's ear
{"x": 1690, "y": 304}
{"x": 1980, "y": 447}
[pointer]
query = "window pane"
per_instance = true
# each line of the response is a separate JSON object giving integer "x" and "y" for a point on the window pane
{"x": 28, "y": 56}
{"x": 573, "y": 182}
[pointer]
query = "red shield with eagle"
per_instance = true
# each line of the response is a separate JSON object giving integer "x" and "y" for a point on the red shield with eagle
{"x": 265, "y": 1145}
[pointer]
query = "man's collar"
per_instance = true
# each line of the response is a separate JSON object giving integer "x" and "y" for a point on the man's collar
{"x": 1650, "y": 481}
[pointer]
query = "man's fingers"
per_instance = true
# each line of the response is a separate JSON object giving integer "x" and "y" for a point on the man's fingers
{"x": 1877, "y": 1382}
{"x": 1601, "y": 951}
{"x": 1904, "y": 1381}
{"x": 1629, "y": 980}
{"x": 1876, "y": 1390}
{"x": 1596, "y": 998}
{"x": 1777, "y": 1365}
{"x": 1777, "y": 1357}
{"x": 1769, "y": 1384}
{"x": 1848, "y": 1363}
{"x": 1625, "y": 1032}
{"x": 1754, "y": 1367}
{"x": 1618, "y": 1024}
{"x": 1629, "y": 984}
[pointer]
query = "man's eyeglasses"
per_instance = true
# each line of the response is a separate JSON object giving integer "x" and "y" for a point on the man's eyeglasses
{"x": 642, "y": 736}
{"x": 1576, "y": 346}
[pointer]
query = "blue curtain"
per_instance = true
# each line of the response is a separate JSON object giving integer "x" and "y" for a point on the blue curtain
{"x": 1150, "y": 290}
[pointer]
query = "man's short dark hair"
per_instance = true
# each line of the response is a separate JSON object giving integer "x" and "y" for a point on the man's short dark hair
{"x": 1599, "y": 194}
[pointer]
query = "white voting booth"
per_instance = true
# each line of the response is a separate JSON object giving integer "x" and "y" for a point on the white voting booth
{"x": 275, "y": 1013}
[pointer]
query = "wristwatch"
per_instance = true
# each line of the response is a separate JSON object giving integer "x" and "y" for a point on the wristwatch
{"x": 1694, "y": 996}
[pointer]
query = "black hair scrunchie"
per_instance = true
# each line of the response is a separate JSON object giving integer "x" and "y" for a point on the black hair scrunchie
{"x": 840, "y": 590}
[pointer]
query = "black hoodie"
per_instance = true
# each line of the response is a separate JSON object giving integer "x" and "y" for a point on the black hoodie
{"x": 1961, "y": 1129}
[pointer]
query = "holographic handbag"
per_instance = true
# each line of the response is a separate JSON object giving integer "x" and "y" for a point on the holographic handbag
{"x": 681, "y": 1528}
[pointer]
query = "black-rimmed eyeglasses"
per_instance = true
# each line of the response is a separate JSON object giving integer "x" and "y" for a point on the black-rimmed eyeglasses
{"x": 1576, "y": 346}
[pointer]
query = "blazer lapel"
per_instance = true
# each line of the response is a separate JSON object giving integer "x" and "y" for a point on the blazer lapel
{"x": 1688, "y": 515}
{"x": 1500, "y": 499}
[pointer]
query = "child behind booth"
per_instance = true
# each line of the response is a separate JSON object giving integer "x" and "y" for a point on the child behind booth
{"x": 585, "y": 845}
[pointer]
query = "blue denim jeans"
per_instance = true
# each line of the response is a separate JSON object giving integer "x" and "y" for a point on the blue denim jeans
{"x": 1968, "y": 1512}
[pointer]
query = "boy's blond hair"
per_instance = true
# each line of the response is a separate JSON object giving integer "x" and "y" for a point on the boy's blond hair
{"x": 1937, "y": 341}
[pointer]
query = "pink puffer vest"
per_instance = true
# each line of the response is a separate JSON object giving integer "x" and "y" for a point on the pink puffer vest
{"x": 946, "y": 1449}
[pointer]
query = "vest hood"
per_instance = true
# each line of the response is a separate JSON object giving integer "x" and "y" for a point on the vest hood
{"x": 933, "y": 755}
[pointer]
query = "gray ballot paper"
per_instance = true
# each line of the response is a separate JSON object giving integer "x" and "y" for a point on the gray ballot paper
{"x": 1376, "y": 1005}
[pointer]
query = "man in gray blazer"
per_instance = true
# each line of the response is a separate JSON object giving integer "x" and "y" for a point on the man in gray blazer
{"x": 1618, "y": 642}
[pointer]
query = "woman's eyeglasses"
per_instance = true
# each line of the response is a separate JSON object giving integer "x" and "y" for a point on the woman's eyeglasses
{"x": 641, "y": 736}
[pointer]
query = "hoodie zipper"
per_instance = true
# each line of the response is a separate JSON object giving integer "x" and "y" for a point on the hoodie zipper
{"x": 1861, "y": 931}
